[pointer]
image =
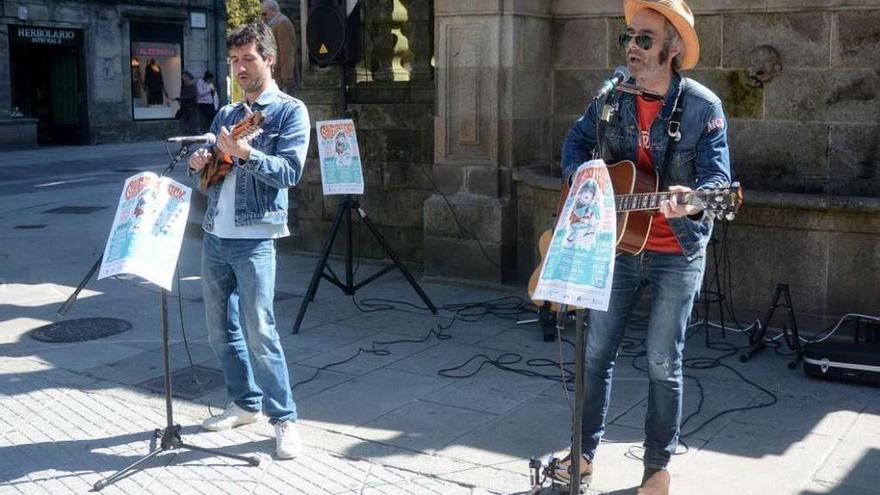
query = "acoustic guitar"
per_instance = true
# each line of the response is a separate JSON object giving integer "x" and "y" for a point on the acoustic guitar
{"x": 247, "y": 128}
{"x": 543, "y": 245}
{"x": 635, "y": 199}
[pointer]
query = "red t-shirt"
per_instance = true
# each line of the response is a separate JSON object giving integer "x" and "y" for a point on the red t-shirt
{"x": 661, "y": 237}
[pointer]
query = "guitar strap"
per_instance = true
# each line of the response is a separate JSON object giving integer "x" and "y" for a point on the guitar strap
{"x": 673, "y": 129}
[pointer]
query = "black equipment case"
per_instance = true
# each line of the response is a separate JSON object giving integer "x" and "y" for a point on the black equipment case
{"x": 847, "y": 360}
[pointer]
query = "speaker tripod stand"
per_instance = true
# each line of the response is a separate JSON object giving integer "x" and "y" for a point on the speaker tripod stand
{"x": 344, "y": 211}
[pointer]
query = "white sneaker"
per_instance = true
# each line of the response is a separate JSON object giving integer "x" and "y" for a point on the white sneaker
{"x": 230, "y": 418}
{"x": 287, "y": 442}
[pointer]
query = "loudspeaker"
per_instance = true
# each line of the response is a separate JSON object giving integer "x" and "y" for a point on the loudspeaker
{"x": 333, "y": 31}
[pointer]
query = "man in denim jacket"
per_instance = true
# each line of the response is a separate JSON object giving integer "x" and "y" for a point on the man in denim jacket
{"x": 247, "y": 211}
{"x": 659, "y": 40}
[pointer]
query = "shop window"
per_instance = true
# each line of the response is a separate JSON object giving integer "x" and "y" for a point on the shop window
{"x": 156, "y": 66}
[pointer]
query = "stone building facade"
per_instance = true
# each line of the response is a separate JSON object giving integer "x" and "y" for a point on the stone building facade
{"x": 461, "y": 107}
{"x": 76, "y": 72}
{"x": 799, "y": 81}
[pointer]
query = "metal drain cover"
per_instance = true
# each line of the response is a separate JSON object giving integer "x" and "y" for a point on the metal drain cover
{"x": 76, "y": 210}
{"x": 184, "y": 383}
{"x": 80, "y": 330}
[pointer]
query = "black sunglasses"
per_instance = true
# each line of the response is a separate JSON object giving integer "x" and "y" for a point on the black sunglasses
{"x": 643, "y": 41}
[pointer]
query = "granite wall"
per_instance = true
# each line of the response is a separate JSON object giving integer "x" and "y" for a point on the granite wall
{"x": 799, "y": 81}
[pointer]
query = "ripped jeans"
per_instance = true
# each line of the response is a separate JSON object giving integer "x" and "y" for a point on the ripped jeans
{"x": 674, "y": 283}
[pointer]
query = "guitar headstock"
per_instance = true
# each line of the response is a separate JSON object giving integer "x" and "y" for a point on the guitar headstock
{"x": 720, "y": 203}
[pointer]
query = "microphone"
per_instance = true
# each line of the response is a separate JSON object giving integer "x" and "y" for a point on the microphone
{"x": 620, "y": 75}
{"x": 208, "y": 138}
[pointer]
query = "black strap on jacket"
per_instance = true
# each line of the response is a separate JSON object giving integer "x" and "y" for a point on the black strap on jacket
{"x": 673, "y": 129}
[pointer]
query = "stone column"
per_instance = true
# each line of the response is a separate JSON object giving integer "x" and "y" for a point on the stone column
{"x": 493, "y": 112}
{"x": 417, "y": 30}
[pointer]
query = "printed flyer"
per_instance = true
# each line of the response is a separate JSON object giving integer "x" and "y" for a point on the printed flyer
{"x": 148, "y": 229}
{"x": 579, "y": 265}
{"x": 341, "y": 171}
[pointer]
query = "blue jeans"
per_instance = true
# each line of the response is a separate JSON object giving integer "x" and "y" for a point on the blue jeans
{"x": 238, "y": 283}
{"x": 674, "y": 283}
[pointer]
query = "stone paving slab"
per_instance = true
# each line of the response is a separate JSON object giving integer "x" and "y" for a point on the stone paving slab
{"x": 56, "y": 451}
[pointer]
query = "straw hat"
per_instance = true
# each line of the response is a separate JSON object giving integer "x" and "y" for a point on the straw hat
{"x": 681, "y": 17}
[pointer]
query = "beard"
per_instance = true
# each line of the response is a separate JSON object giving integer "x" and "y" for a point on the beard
{"x": 252, "y": 85}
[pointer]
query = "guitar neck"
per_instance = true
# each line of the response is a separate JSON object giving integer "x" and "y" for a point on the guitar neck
{"x": 650, "y": 201}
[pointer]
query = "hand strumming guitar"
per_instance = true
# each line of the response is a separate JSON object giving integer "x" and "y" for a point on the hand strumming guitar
{"x": 239, "y": 148}
{"x": 200, "y": 159}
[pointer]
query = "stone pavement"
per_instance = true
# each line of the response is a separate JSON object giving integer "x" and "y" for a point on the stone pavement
{"x": 72, "y": 413}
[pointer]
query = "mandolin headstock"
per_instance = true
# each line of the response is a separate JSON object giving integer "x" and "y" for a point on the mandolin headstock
{"x": 248, "y": 127}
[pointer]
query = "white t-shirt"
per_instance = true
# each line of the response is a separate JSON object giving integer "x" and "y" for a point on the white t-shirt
{"x": 224, "y": 221}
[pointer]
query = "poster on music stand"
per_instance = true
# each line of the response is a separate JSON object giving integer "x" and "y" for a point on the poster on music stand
{"x": 340, "y": 157}
{"x": 148, "y": 229}
{"x": 579, "y": 266}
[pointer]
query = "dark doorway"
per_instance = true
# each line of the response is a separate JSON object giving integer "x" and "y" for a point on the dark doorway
{"x": 48, "y": 81}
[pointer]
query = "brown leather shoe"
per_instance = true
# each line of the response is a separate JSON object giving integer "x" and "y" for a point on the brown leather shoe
{"x": 655, "y": 482}
{"x": 563, "y": 470}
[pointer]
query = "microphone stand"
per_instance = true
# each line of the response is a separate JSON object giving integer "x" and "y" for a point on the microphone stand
{"x": 580, "y": 328}
{"x": 169, "y": 436}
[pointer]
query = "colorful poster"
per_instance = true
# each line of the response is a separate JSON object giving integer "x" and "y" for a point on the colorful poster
{"x": 341, "y": 171}
{"x": 579, "y": 265}
{"x": 148, "y": 229}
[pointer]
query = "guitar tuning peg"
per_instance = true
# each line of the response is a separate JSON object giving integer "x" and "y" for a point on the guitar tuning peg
{"x": 730, "y": 216}
{"x": 711, "y": 215}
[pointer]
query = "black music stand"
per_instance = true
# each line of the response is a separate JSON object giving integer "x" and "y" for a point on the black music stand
{"x": 577, "y": 420}
{"x": 343, "y": 210}
{"x": 170, "y": 435}
{"x": 346, "y": 206}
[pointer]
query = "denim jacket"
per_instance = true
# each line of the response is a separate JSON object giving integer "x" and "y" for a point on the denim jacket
{"x": 276, "y": 162}
{"x": 700, "y": 159}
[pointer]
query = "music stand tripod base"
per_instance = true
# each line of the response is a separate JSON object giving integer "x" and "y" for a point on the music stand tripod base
{"x": 170, "y": 435}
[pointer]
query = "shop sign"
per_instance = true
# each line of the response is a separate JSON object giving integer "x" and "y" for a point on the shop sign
{"x": 41, "y": 35}
{"x": 155, "y": 51}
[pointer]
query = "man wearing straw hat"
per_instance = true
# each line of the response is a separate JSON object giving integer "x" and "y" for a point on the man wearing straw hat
{"x": 676, "y": 127}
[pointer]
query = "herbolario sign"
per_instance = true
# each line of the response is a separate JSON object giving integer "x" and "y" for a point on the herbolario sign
{"x": 41, "y": 35}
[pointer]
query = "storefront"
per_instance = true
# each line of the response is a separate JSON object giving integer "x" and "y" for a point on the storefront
{"x": 97, "y": 72}
{"x": 48, "y": 81}
{"x": 156, "y": 66}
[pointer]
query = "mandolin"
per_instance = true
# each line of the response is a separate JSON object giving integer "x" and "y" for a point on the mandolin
{"x": 247, "y": 128}
{"x": 635, "y": 198}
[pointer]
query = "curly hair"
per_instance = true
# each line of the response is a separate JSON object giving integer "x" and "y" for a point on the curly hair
{"x": 257, "y": 32}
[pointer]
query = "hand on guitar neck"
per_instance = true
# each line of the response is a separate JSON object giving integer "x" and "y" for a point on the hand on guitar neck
{"x": 232, "y": 143}
{"x": 671, "y": 208}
